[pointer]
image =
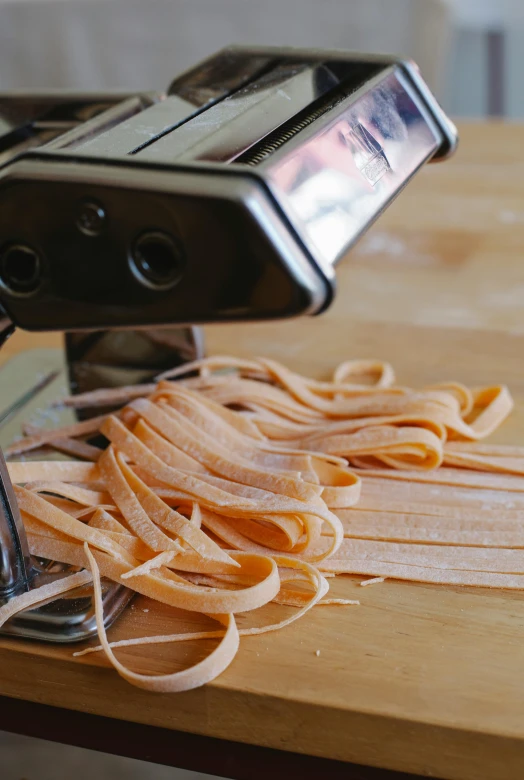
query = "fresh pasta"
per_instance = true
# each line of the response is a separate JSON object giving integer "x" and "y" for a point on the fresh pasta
{"x": 230, "y": 483}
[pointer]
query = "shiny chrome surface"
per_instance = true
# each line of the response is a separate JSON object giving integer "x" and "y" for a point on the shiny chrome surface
{"x": 116, "y": 358}
{"x": 101, "y": 125}
{"x": 448, "y": 130}
{"x": 60, "y": 119}
{"x": 139, "y": 130}
{"x": 189, "y": 95}
{"x": 221, "y": 74}
{"x": 15, "y": 561}
{"x": 6, "y": 327}
{"x": 261, "y": 168}
{"x": 344, "y": 64}
{"x": 229, "y": 128}
{"x": 336, "y": 177}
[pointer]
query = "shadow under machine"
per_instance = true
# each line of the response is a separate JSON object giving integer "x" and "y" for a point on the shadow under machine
{"x": 127, "y": 220}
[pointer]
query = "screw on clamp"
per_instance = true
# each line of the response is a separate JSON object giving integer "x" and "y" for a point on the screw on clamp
{"x": 15, "y": 561}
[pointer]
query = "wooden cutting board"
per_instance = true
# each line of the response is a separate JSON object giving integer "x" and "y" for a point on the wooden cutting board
{"x": 419, "y": 678}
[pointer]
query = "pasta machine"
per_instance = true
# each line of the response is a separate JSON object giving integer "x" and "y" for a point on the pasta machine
{"x": 128, "y": 219}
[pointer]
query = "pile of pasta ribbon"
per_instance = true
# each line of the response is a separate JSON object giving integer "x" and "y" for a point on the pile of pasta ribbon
{"x": 231, "y": 483}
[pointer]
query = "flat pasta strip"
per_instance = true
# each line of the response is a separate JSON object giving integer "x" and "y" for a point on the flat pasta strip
{"x": 185, "y": 680}
{"x": 168, "y": 452}
{"x": 162, "y": 559}
{"x": 430, "y": 529}
{"x": 52, "y": 471}
{"x": 452, "y": 477}
{"x": 36, "y": 506}
{"x": 106, "y": 522}
{"x": 112, "y": 396}
{"x": 397, "y": 447}
{"x": 77, "y": 494}
{"x": 128, "y": 504}
{"x": 480, "y": 461}
{"x": 398, "y": 571}
{"x": 231, "y": 418}
{"x": 306, "y": 436}
{"x": 442, "y": 557}
{"x": 48, "y": 435}
{"x": 381, "y": 374}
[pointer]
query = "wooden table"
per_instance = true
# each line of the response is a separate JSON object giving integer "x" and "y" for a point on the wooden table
{"x": 419, "y": 678}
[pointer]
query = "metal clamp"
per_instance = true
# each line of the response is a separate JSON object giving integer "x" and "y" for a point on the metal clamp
{"x": 15, "y": 561}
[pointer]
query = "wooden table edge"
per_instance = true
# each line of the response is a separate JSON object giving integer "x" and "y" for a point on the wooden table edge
{"x": 241, "y": 718}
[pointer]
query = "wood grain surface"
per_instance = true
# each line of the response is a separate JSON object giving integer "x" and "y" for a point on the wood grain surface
{"x": 419, "y": 678}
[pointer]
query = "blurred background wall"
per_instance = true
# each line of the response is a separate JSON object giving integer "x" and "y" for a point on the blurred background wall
{"x": 486, "y": 58}
{"x": 470, "y": 51}
{"x": 143, "y": 43}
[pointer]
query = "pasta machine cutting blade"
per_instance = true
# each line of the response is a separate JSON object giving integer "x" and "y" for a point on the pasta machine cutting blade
{"x": 230, "y": 197}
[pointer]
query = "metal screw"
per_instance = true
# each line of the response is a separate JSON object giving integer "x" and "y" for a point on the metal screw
{"x": 91, "y": 218}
